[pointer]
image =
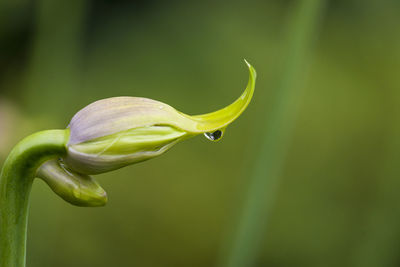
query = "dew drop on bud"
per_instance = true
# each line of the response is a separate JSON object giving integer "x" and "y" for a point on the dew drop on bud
{"x": 214, "y": 136}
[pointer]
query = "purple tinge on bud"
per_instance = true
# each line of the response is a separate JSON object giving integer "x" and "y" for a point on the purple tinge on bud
{"x": 115, "y": 132}
{"x": 113, "y": 115}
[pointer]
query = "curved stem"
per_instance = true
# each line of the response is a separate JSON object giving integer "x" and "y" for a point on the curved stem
{"x": 16, "y": 179}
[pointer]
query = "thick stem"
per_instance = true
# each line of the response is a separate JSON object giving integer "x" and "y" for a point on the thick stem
{"x": 15, "y": 184}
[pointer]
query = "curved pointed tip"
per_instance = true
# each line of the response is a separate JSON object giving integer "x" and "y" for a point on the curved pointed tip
{"x": 251, "y": 68}
{"x": 222, "y": 118}
{"x": 253, "y": 73}
{"x": 247, "y": 63}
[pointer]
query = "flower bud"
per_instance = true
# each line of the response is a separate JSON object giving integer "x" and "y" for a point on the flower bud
{"x": 111, "y": 133}
{"x": 75, "y": 188}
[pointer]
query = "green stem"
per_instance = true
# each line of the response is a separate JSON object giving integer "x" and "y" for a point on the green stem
{"x": 16, "y": 179}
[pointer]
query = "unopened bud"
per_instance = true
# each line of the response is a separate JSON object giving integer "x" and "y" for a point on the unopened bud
{"x": 111, "y": 133}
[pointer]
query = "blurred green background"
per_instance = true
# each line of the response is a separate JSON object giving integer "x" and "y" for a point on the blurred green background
{"x": 318, "y": 186}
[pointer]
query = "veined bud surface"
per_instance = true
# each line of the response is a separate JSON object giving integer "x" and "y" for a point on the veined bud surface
{"x": 112, "y": 133}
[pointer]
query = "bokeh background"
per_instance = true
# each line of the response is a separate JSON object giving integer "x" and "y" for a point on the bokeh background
{"x": 307, "y": 176}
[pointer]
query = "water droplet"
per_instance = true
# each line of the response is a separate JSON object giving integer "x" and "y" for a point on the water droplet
{"x": 214, "y": 136}
{"x": 161, "y": 107}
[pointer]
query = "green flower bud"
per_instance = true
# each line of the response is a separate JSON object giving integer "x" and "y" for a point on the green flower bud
{"x": 75, "y": 188}
{"x": 111, "y": 133}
